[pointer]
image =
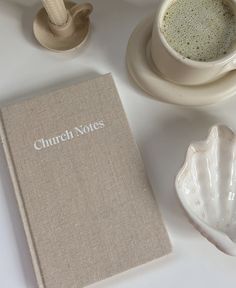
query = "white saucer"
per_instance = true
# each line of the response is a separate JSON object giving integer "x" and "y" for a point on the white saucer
{"x": 144, "y": 73}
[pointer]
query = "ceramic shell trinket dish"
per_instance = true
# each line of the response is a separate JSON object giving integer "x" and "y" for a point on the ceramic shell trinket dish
{"x": 206, "y": 186}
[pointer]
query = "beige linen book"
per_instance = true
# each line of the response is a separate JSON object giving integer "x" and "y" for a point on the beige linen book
{"x": 86, "y": 205}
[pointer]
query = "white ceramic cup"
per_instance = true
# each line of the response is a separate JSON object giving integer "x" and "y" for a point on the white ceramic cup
{"x": 179, "y": 69}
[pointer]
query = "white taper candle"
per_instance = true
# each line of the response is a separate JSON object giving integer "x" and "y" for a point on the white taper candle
{"x": 56, "y": 11}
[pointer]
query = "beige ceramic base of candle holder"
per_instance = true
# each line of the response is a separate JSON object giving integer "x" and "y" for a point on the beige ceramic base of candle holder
{"x": 57, "y": 38}
{"x": 146, "y": 75}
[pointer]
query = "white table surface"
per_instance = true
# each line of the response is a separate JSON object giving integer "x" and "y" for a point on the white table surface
{"x": 162, "y": 132}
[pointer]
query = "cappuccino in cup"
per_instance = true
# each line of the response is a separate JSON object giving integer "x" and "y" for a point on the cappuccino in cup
{"x": 201, "y": 30}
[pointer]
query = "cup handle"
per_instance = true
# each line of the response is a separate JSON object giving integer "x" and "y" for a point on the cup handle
{"x": 231, "y": 65}
{"x": 82, "y": 11}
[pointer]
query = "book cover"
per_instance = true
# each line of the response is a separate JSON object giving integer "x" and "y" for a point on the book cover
{"x": 84, "y": 199}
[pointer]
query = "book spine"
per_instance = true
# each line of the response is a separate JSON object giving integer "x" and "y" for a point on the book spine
{"x": 20, "y": 202}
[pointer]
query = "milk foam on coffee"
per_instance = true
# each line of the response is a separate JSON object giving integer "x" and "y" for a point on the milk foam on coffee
{"x": 201, "y": 30}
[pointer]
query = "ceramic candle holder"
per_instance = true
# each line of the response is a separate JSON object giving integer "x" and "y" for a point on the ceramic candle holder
{"x": 206, "y": 186}
{"x": 65, "y": 37}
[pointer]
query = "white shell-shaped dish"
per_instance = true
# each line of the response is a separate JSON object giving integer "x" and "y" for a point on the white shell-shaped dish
{"x": 206, "y": 186}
